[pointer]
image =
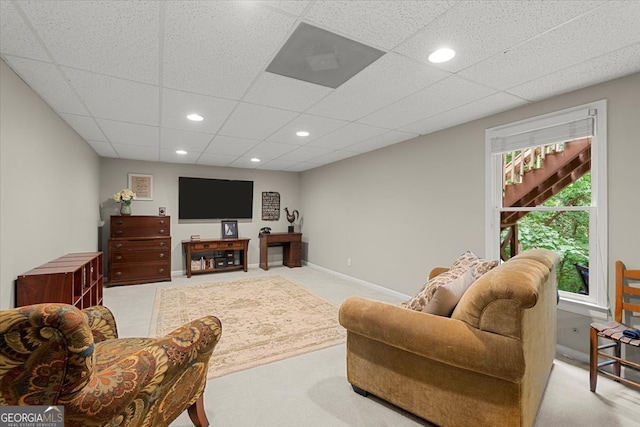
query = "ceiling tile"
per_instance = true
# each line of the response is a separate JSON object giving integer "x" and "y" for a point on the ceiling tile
{"x": 211, "y": 159}
{"x": 86, "y": 127}
{"x": 492, "y": 104}
{"x": 386, "y": 139}
{"x": 304, "y": 154}
{"x": 278, "y": 91}
{"x": 17, "y": 39}
{"x": 46, "y": 80}
{"x": 130, "y": 51}
{"x": 225, "y": 44}
{"x": 176, "y": 105}
{"x": 130, "y": 133}
{"x": 442, "y": 96}
{"x": 379, "y": 23}
{"x": 137, "y": 152}
{"x": 302, "y": 166}
{"x": 116, "y": 99}
{"x": 347, "y": 135}
{"x": 470, "y": 28}
{"x": 606, "y": 67}
{"x": 104, "y": 149}
{"x": 269, "y": 150}
{"x": 577, "y": 41}
{"x": 279, "y": 165}
{"x": 387, "y": 80}
{"x": 184, "y": 140}
{"x": 229, "y": 145}
{"x": 334, "y": 156}
{"x": 255, "y": 122}
{"x": 170, "y": 156}
{"x": 316, "y": 126}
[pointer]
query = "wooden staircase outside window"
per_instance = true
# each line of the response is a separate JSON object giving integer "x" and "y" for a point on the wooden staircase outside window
{"x": 533, "y": 175}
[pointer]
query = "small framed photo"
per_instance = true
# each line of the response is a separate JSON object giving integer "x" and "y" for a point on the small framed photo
{"x": 229, "y": 229}
{"x": 142, "y": 185}
{"x": 162, "y": 211}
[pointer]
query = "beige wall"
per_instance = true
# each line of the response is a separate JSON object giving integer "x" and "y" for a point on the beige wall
{"x": 401, "y": 210}
{"x": 48, "y": 182}
{"x": 113, "y": 178}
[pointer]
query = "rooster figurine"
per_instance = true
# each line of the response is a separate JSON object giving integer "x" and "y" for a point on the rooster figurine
{"x": 293, "y": 215}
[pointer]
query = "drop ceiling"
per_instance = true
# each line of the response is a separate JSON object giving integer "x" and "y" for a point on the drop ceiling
{"x": 124, "y": 74}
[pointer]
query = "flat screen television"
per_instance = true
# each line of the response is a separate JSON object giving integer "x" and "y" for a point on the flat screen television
{"x": 207, "y": 198}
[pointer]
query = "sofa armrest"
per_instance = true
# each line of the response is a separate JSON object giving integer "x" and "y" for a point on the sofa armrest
{"x": 102, "y": 323}
{"x": 141, "y": 372}
{"x": 439, "y": 338}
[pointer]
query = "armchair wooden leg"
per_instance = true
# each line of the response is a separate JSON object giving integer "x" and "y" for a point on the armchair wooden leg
{"x": 197, "y": 414}
{"x": 593, "y": 360}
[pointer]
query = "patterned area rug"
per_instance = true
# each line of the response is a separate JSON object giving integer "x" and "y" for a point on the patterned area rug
{"x": 264, "y": 319}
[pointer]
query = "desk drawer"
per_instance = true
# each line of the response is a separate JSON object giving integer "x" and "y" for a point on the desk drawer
{"x": 206, "y": 246}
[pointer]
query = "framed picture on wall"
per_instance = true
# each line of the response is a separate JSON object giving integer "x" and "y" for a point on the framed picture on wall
{"x": 229, "y": 229}
{"x": 141, "y": 185}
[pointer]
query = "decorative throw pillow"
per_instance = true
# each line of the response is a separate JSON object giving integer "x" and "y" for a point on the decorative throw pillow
{"x": 446, "y": 297}
{"x": 460, "y": 266}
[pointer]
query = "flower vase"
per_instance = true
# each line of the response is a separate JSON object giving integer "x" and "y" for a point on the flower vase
{"x": 125, "y": 209}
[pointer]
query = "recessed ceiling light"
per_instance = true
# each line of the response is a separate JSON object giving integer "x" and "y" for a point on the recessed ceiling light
{"x": 302, "y": 133}
{"x": 255, "y": 160}
{"x": 442, "y": 55}
{"x": 181, "y": 152}
{"x": 195, "y": 117}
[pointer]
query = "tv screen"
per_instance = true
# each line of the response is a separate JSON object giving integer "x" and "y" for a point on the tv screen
{"x": 205, "y": 198}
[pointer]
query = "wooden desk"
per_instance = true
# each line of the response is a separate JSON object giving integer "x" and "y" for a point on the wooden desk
{"x": 291, "y": 248}
{"x": 208, "y": 255}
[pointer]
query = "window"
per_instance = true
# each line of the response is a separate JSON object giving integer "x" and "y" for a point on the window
{"x": 546, "y": 187}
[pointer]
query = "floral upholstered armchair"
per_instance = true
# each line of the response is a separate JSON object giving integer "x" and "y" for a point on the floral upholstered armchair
{"x": 55, "y": 354}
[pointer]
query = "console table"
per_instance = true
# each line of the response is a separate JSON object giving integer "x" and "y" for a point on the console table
{"x": 291, "y": 248}
{"x": 215, "y": 255}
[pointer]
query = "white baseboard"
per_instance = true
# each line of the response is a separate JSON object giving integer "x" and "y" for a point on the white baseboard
{"x": 359, "y": 281}
{"x": 572, "y": 354}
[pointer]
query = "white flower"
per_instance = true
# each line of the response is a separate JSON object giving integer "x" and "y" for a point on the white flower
{"x": 124, "y": 195}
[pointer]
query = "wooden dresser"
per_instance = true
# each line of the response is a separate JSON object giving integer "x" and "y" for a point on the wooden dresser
{"x": 74, "y": 279}
{"x": 139, "y": 250}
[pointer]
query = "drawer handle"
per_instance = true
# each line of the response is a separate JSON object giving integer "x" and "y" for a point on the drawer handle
{"x": 206, "y": 245}
{"x": 161, "y": 255}
{"x": 162, "y": 231}
{"x": 118, "y": 245}
{"x": 118, "y": 258}
{"x": 119, "y": 222}
{"x": 118, "y": 273}
{"x": 161, "y": 244}
{"x": 161, "y": 270}
{"x": 162, "y": 222}
{"x": 118, "y": 231}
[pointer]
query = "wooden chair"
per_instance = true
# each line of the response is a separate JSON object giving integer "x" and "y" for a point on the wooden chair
{"x": 613, "y": 332}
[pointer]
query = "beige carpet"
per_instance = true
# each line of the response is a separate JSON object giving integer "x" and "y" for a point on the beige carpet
{"x": 264, "y": 319}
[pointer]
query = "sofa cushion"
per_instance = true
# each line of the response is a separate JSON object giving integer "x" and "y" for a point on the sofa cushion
{"x": 446, "y": 297}
{"x": 466, "y": 261}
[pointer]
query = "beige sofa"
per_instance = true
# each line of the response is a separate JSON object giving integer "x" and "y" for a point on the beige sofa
{"x": 486, "y": 365}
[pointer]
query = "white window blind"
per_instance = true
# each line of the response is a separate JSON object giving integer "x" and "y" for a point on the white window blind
{"x": 568, "y": 131}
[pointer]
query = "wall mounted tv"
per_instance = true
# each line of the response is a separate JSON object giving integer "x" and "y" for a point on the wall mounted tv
{"x": 206, "y": 198}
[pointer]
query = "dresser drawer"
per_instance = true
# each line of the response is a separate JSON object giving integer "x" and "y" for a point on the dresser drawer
{"x": 140, "y": 273}
{"x": 140, "y": 226}
{"x": 139, "y": 244}
{"x": 125, "y": 256}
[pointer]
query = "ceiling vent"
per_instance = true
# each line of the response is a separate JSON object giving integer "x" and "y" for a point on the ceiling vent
{"x": 318, "y": 56}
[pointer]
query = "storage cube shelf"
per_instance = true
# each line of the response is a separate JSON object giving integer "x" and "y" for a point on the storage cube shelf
{"x": 75, "y": 278}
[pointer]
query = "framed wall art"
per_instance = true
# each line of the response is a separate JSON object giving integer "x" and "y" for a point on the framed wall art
{"x": 142, "y": 185}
